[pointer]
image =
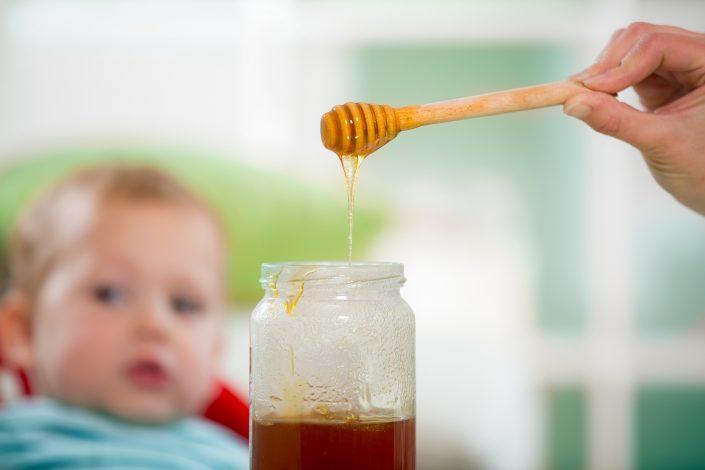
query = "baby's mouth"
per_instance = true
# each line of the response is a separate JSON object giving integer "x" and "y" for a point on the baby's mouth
{"x": 148, "y": 374}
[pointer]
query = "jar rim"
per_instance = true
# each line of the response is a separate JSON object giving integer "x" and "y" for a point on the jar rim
{"x": 330, "y": 272}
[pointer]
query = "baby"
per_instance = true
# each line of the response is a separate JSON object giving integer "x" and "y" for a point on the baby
{"x": 114, "y": 308}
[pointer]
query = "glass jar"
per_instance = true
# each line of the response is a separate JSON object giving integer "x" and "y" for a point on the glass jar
{"x": 332, "y": 381}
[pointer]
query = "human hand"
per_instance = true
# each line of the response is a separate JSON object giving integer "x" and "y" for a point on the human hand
{"x": 666, "y": 67}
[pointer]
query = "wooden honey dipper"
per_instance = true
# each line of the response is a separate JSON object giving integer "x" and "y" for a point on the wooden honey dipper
{"x": 360, "y": 128}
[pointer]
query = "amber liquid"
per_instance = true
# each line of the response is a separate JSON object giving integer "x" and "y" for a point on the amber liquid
{"x": 325, "y": 445}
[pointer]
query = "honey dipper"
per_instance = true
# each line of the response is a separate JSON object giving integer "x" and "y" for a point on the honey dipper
{"x": 361, "y": 128}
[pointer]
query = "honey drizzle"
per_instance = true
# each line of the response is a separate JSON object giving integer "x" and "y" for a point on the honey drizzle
{"x": 290, "y": 303}
{"x": 351, "y": 165}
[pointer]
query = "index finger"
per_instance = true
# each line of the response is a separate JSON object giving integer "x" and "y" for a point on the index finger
{"x": 657, "y": 51}
{"x": 622, "y": 41}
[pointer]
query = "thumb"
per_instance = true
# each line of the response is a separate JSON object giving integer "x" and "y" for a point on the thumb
{"x": 608, "y": 116}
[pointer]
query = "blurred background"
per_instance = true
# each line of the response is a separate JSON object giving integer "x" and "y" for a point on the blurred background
{"x": 558, "y": 291}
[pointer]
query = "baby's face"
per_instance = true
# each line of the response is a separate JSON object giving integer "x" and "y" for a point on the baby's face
{"x": 128, "y": 319}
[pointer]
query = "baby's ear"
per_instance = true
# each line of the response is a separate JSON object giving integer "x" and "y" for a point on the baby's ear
{"x": 15, "y": 331}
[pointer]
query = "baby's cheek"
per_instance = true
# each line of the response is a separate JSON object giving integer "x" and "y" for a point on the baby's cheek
{"x": 79, "y": 361}
{"x": 198, "y": 365}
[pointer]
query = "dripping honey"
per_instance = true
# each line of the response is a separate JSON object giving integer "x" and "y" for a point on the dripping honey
{"x": 289, "y": 300}
{"x": 351, "y": 165}
{"x": 290, "y": 303}
{"x": 353, "y": 131}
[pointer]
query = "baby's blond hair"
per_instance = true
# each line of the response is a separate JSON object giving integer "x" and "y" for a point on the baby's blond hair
{"x": 42, "y": 229}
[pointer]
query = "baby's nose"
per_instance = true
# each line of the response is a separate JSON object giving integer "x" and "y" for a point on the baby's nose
{"x": 152, "y": 322}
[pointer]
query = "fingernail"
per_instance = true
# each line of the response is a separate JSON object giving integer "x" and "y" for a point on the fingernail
{"x": 599, "y": 77}
{"x": 591, "y": 71}
{"x": 579, "y": 77}
{"x": 589, "y": 81}
{"x": 578, "y": 110}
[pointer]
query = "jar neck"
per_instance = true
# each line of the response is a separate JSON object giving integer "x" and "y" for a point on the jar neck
{"x": 332, "y": 280}
{"x": 358, "y": 292}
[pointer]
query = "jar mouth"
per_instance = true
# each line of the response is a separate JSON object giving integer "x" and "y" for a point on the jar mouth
{"x": 330, "y": 273}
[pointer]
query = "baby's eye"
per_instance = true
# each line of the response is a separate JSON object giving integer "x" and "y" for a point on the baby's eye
{"x": 186, "y": 305}
{"x": 109, "y": 294}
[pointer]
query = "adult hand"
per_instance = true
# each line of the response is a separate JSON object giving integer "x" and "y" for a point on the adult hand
{"x": 666, "y": 67}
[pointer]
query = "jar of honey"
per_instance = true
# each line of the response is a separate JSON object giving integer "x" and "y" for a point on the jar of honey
{"x": 332, "y": 382}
